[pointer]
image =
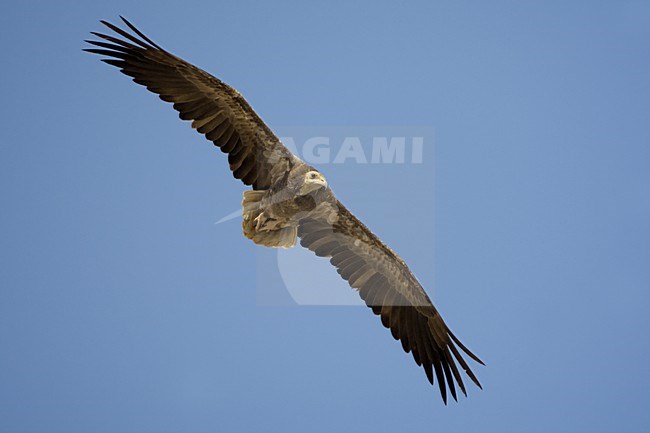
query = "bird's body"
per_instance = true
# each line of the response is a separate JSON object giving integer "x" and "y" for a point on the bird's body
{"x": 291, "y": 200}
{"x": 271, "y": 217}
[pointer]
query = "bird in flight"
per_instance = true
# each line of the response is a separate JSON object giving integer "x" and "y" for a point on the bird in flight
{"x": 290, "y": 200}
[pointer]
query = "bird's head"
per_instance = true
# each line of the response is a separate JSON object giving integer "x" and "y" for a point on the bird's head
{"x": 312, "y": 181}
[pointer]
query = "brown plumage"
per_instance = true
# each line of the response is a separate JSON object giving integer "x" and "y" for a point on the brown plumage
{"x": 290, "y": 199}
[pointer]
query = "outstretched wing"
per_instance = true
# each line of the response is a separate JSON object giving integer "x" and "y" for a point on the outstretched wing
{"x": 255, "y": 154}
{"x": 387, "y": 285}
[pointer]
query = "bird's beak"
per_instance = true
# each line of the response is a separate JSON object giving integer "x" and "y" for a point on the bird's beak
{"x": 313, "y": 185}
{"x": 321, "y": 181}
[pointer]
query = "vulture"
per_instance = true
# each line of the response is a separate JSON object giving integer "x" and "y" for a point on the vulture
{"x": 290, "y": 201}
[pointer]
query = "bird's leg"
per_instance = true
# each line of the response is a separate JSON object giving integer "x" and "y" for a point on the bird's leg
{"x": 262, "y": 222}
{"x": 259, "y": 222}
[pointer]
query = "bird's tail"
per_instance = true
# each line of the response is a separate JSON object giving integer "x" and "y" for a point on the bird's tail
{"x": 257, "y": 231}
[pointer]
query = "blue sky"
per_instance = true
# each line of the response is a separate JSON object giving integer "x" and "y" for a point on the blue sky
{"x": 124, "y": 308}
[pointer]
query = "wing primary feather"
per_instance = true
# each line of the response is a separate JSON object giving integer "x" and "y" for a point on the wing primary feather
{"x": 429, "y": 371}
{"x": 126, "y": 35}
{"x": 113, "y": 62}
{"x": 139, "y": 33}
{"x": 116, "y": 54}
{"x": 394, "y": 329}
{"x": 464, "y": 365}
{"x": 403, "y": 326}
{"x": 107, "y": 45}
{"x": 115, "y": 40}
{"x": 450, "y": 379}
{"x": 416, "y": 340}
{"x": 454, "y": 370}
{"x": 465, "y": 349}
{"x": 406, "y": 346}
{"x": 425, "y": 339}
{"x": 441, "y": 381}
{"x": 394, "y": 320}
{"x": 416, "y": 355}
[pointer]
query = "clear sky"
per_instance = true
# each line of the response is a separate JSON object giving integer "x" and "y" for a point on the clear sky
{"x": 125, "y": 308}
